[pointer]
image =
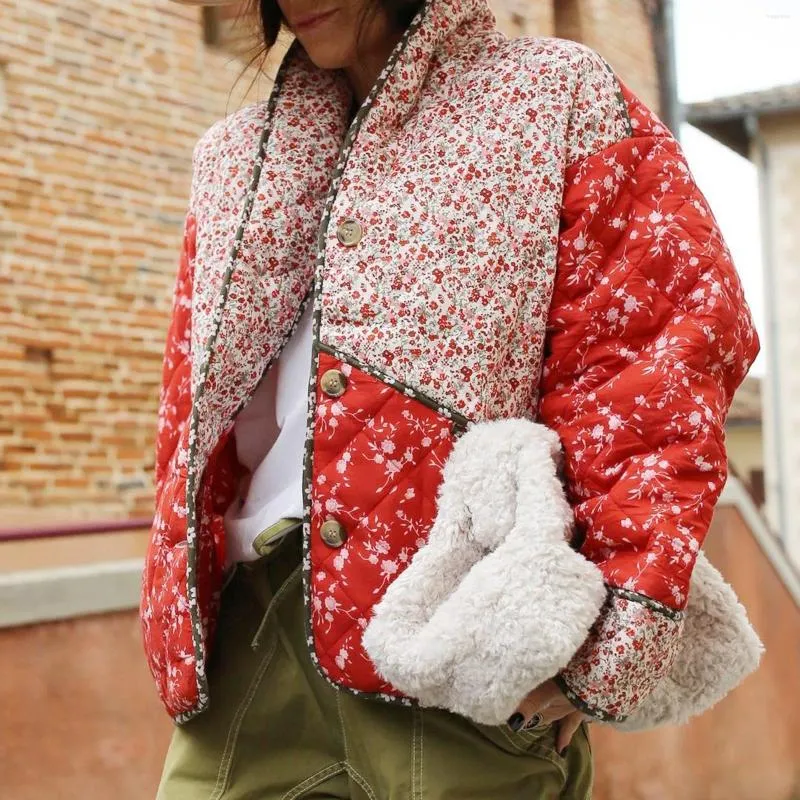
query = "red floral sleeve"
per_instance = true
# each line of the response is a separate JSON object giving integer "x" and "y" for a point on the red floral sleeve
{"x": 174, "y": 397}
{"x": 649, "y": 336}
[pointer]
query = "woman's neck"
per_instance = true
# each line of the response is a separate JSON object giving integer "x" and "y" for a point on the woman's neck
{"x": 355, "y": 104}
{"x": 363, "y": 74}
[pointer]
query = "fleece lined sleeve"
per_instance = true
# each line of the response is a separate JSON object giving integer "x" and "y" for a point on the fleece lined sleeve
{"x": 649, "y": 335}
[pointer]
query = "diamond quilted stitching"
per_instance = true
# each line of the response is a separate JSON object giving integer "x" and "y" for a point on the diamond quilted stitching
{"x": 377, "y": 464}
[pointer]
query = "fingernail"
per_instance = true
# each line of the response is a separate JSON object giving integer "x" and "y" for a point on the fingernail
{"x": 515, "y": 721}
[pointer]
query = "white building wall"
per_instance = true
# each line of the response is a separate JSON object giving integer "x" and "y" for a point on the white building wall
{"x": 778, "y": 156}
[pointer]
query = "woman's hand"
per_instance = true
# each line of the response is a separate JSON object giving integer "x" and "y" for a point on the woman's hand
{"x": 551, "y": 704}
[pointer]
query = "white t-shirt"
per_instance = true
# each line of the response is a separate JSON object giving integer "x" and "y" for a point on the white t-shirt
{"x": 270, "y": 436}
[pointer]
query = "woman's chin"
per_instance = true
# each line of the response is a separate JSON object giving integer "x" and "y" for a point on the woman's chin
{"x": 324, "y": 54}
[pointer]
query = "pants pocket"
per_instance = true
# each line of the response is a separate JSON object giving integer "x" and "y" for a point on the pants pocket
{"x": 532, "y": 740}
{"x": 477, "y": 761}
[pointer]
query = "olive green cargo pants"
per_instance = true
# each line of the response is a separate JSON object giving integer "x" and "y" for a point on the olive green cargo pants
{"x": 276, "y": 730}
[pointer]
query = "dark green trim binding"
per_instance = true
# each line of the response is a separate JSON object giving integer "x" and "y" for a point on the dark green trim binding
{"x": 653, "y": 605}
{"x": 582, "y": 705}
{"x": 621, "y": 100}
{"x": 460, "y": 422}
{"x": 635, "y": 597}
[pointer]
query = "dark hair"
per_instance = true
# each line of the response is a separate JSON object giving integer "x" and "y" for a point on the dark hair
{"x": 270, "y": 19}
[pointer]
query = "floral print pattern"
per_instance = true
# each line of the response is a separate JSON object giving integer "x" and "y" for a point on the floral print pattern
{"x": 630, "y": 649}
{"x": 650, "y": 337}
{"x": 532, "y": 244}
{"x": 462, "y": 315}
{"x": 376, "y": 466}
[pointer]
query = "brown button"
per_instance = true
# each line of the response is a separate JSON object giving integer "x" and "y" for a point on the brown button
{"x": 333, "y": 382}
{"x": 349, "y": 232}
{"x": 333, "y": 533}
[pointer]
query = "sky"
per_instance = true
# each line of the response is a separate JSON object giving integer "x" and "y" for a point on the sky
{"x": 727, "y": 47}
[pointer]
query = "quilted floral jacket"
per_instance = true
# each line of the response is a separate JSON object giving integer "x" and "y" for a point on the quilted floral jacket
{"x": 503, "y": 231}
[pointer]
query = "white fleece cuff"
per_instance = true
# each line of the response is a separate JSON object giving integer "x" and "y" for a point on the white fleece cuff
{"x": 497, "y": 601}
{"x": 717, "y": 650}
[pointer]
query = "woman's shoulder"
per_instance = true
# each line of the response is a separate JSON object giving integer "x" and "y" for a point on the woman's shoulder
{"x": 569, "y": 73}
{"x": 558, "y": 56}
{"x": 573, "y": 83}
{"x": 232, "y": 137}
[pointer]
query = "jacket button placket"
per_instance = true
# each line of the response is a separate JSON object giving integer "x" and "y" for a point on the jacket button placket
{"x": 333, "y": 383}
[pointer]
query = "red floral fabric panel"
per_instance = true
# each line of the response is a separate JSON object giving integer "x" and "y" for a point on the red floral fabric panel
{"x": 164, "y": 611}
{"x": 174, "y": 403}
{"x": 649, "y": 337}
{"x": 377, "y": 461}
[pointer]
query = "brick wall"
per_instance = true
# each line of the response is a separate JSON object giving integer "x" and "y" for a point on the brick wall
{"x": 100, "y": 104}
{"x": 524, "y": 17}
{"x": 620, "y": 30}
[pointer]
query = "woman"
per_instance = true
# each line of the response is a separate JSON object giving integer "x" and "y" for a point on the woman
{"x": 452, "y": 234}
